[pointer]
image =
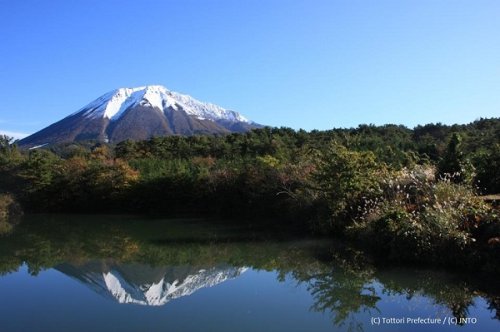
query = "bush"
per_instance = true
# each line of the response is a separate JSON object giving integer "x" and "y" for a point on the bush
{"x": 421, "y": 219}
{"x": 344, "y": 179}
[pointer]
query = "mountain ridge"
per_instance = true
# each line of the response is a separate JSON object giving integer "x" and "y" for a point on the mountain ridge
{"x": 140, "y": 113}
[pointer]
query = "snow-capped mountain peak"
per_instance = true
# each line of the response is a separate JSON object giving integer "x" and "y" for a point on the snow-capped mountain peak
{"x": 139, "y": 114}
{"x": 113, "y": 104}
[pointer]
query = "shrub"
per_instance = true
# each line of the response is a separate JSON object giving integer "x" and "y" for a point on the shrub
{"x": 420, "y": 219}
{"x": 344, "y": 178}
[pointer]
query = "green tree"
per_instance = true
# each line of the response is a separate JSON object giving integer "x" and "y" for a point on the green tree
{"x": 8, "y": 151}
{"x": 454, "y": 164}
{"x": 488, "y": 176}
{"x": 347, "y": 179}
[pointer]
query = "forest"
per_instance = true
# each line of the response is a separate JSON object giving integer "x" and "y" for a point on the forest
{"x": 425, "y": 195}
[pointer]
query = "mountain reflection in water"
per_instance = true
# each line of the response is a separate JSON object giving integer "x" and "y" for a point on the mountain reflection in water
{"x": 146, "y": 285}
{"x": 151, "y": 262}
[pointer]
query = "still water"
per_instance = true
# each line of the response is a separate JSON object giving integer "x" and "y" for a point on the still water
{"x": 95, "y": 273}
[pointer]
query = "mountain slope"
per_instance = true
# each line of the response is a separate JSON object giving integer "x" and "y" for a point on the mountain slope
{"x": 140, "y": 113}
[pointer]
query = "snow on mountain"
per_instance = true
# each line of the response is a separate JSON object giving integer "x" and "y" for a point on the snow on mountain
{"x": 157, "y": 294}
{"x": 117, "y": 285}
{"x": 113, "y": 104}
{"x": 140, "y": 114}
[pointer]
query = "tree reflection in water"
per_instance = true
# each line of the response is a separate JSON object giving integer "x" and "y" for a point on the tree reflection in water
{"x": 342, "y": 282}
{"x": 343, "y": 295}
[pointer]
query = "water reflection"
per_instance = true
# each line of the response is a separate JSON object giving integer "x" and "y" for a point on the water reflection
{"x": 152, "y": 262}
{"x": 146, "y": 285}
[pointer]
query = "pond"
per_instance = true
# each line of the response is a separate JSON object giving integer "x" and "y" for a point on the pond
{"x": 126, "y": 273}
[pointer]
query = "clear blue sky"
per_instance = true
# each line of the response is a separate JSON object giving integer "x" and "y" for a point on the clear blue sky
{"x": 302, "y": 64}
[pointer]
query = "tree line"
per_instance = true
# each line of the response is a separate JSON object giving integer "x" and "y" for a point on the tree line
{"x": 389, "y": 187}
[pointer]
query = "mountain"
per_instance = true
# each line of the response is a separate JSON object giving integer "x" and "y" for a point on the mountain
{"x": 146, "y": 285}
{"x": 140, "y": 113}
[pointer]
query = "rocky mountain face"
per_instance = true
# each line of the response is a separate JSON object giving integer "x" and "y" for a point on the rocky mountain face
{"x": 140, "y": 113}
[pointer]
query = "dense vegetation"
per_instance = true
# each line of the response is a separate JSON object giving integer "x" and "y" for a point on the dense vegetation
{"x": 412, "y": 195}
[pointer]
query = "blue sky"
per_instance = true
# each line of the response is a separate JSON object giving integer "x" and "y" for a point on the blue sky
{"x": 301, "y": 64}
